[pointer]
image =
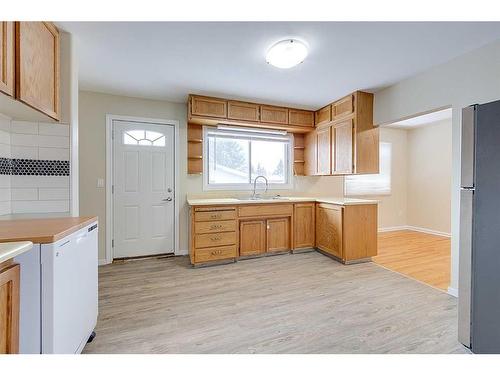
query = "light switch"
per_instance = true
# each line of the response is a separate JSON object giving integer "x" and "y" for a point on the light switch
{"x": 100, "y": 182}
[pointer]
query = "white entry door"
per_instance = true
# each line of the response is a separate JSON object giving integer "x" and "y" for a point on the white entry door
{"x": 143, "y": 196}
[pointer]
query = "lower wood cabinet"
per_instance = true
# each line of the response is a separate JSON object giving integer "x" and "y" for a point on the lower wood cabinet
{"x": 349, "y": 232}
{"x": 9, "y": 308}
{"x": 278, "y": 234}
{"x": 304, "y": 226}
{"x": 252, "y": 237}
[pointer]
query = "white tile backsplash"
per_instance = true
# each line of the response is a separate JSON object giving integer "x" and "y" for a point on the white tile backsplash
{"x": 22, "y": 207}
{"x": 40, "y": 181}
{"x": 38, "y": 141}
{"x": 53, "y": 129}
{"x": 24, "y": 127}
{"x": 24, "y": 152}
{"x": 53, "y": 153}
{"x": 24, "y": 194}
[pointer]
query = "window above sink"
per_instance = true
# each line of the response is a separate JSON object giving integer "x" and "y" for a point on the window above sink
{"x": 235, "y": 157}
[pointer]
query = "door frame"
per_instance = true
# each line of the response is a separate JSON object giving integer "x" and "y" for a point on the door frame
{"x": 109, "y": 177}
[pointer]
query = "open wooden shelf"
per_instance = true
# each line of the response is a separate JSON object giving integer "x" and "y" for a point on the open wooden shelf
{"x": 195, "y": 148}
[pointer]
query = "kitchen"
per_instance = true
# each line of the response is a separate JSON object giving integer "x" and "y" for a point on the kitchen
{"x": 237, "y": 196}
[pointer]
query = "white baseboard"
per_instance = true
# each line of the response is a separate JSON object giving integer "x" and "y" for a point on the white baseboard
{"x": 103, "y": 262}
{"x": 453, "y": 291}
{"x": 416, "y": 229}
{"x": 392, "y": 229}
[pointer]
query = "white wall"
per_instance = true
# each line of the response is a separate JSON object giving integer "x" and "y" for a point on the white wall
{"x": 468, "y": 79}
{"x": 5, "y": 178}
{"x": 429, "y": 177}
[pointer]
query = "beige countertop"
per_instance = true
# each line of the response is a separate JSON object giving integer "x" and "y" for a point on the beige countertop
{"x": 236, "y": 201}
{"x": 41, "y": 230}
{"x": 9, "y": 250}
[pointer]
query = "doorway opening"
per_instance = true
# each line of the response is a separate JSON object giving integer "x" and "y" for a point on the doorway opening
{"x": 415, "y": 216}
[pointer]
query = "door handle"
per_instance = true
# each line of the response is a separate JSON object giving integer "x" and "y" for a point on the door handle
{"x": 169, "y": 199}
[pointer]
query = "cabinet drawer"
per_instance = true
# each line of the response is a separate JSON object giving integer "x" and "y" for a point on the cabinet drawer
{"x": 214, "y": 239}
{"x": 266, "y": 210}
{"x": 215, "y": 226}
{"x": 215, "y": 215}
{"x": 215, "y": 253}
{"x": 343, "y": 107}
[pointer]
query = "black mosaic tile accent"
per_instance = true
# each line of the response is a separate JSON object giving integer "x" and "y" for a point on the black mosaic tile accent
{"x": 30, "y": 167}
{"x": 5, "y": 166}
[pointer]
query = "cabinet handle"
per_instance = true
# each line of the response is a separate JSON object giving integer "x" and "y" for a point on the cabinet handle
{"x": 215, "y": 238}
{"x": 215, "y": 216}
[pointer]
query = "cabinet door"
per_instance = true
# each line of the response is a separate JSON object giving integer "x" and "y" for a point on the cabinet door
{"x": 242, "y": 111}
{"x": 37, "y": 62}
{"x": 208, "y": 107}
{"x": 278, "y": 234}
{"x": 324, "y": 151}
{"x": 323, "y": 115}
{"x": 343, "y": 107}
{"x": 343, "y": 148}
{"x": 310, "y": 154}
{"x": 329, "y": 229}
{"x": 7, "y": 57}
{"x": 303, "y": 225}
{"x": 9, "y": 310}
{"x": 274, "y": 115}
{"x": 252, "y": 237}
{"x": 300, "y": 118}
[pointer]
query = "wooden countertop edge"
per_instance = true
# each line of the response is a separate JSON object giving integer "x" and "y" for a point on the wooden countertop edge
{"x": 51, "y": 238}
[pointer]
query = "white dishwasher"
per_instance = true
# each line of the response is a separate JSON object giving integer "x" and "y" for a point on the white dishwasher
{"x": 69, "y": 291}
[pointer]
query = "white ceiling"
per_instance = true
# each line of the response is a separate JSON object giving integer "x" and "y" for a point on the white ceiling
{"x": 422, "y": 120}
{"x": 168, "y": 60}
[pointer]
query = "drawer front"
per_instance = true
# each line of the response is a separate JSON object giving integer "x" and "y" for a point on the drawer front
{"x": 215, "y": 253}
{"x": 215, "y": 226}
{"x": 343, "y": 107}
{"x": 266, "y": 210}
{"x": 215, "y": 215}
{"x": 214, "y": 239}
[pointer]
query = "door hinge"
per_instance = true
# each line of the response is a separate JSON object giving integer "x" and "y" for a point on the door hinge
{"x": 112, "y": 134}
{"x": 112, "y": 243}
{"x": 112, "y": 189}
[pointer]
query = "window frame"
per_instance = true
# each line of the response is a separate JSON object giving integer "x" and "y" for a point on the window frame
{"x": 248, "y": 133}
{"x": 361, "y": 176}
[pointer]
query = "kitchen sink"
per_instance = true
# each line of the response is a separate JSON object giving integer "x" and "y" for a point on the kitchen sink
{"x": 277, "y": 197}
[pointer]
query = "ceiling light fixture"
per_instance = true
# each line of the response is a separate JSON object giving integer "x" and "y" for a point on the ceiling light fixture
{"x": 286, "y": 53}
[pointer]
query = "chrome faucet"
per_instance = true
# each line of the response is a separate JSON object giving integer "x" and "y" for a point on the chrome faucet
{"x": 255, "y": 185}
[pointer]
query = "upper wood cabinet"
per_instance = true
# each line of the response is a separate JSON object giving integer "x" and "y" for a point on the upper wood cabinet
{"x": 9, "y": 308}
{"x": 343, "y": 107}
{"x": 37, "y": 66}
{"x": 210, "y": 107}
{"x": 274, "y": 115}
{"x": 7, "y": 57}
{"x": 342, "y": 135}
{"x": 323, "y": 115}
{"x": 354, "y": 142}
{"x": 304, "y": 225}
{"x": 300, "y": 117}
{"x": 324, "y": 150}
{"x": 242, "y": 111}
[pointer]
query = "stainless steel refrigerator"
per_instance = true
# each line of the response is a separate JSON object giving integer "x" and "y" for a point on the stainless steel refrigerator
{"x": 479, "y": 261}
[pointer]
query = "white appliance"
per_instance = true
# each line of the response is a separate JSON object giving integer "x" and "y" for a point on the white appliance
{"x": 59, "y": 291}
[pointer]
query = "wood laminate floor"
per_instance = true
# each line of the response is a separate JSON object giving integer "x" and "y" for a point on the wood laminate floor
{"x": 424, "y": 257}
{"x": 301, "y": 303}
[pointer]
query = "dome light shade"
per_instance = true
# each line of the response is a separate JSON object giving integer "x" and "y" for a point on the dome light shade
{"x": 286, "y": 53}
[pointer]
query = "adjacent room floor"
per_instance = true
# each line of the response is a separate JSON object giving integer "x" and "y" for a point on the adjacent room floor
{"x": 301, "y": 303}
{"x": 421, "y": 256}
